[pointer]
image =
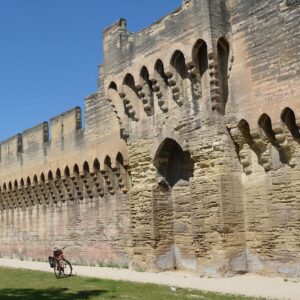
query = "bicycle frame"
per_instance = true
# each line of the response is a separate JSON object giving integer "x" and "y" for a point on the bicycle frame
{"x": 62, "y": 267}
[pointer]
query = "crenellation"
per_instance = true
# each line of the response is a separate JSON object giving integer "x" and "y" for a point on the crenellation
{"x": 35, "y": 138}
{"x": 11, "y": 148}
{"x": 65, "y": 125}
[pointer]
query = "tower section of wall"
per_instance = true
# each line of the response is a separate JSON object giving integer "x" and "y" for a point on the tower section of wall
{"x": 263, "y": 116}
{"x": 186, "y": 208}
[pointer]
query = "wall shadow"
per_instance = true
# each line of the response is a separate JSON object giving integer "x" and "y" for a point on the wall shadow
{"x": 45, "y": 294}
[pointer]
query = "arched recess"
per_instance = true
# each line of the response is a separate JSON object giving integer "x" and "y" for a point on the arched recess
{"x": 122, "y": 173}
{"x": 200, "y": 77}
{"x": 96, "y": 165}
{"x": 244, "y": 128}
{"x": 265, "y": 124}
{"x": 119, "y": 159}
{"x": 50, "y": 175}
{"x": 289, "y": 119}
{"x": 24, "y": 196}
{"x": 37, "y": 191}
{"x": 160, "y": 69}
{"x": 58, "y": 174}
{"x": 76, "y": 170}
{"x": 171, "y": 208}
{"x": 160, "y": 86}
{"x": 35, "y": 179}
{"x": 118, "y": 108}
{"x": 108, "y": 174}
{"x": 28, "y": 190}
{"x": 16, "y": 194}
{"x": 178, "y": 63}
{"x": 113, "y": 86}
{"x": 22, "y": 182}
{"x": 52, "y": 188}
{"x": 67, "y": 171}
{"x": 145, "y": 91}
{"x": 223, "y": 62}
{"x": 242, "y": 138}
{"x": 107, "y": 162}
{"x": 130, "y": 98}
{"x": 68, "y": 184}
{"x": 43, "y": 188}
{"x": 200, "y": 57}
{"x": 6, "y": 199}
{"x": 86, "y": 168}
{"x": 10, "y": 194}
{"x": 42, "y": 178}
{"x": 60, "y": 187}
{"x": 87, "y": 180}
{"x": 2, "y": 202}
{"x": 180, "y": 74}
{"x": 4, "y": 195}
{"x": 77, "y": 182}
{"x": 172, "y": 163}
{"x": 98, "y": 178}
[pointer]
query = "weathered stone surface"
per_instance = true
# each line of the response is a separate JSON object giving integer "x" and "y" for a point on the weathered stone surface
{"x": 190, "y": 158}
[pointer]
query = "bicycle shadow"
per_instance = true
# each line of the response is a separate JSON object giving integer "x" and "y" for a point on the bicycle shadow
{"x": 45, "y": 294}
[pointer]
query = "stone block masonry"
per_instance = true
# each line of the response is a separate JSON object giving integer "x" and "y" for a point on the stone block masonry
{"x": 190, "y": 158}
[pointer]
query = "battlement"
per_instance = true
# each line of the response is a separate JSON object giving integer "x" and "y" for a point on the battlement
{"x": 115, "y": 28}
{"x": 123, "y": 48}
{"x": 112, "y": 32}
{"x": 11, "y": 147}
{"x": 65, "y": 124}
{"x": 36, "y": 138}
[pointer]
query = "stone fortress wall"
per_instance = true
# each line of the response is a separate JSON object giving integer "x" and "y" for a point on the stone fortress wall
{"x": 190, "y": 156}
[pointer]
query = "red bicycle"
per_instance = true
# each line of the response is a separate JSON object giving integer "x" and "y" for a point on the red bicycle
{"x": 62, "y": 267}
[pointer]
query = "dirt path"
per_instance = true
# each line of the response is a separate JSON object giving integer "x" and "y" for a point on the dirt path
{"x": 249, "y": 285}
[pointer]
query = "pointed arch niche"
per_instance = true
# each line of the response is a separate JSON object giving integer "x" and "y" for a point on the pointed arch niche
{"x": 172, "y": 219}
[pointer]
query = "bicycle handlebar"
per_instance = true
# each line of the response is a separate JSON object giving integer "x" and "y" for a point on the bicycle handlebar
{"x": 58, "y": 248}
{"x": 77, "y": 244}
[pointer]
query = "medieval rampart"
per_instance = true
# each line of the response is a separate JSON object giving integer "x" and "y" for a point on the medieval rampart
{"x": 190, "y": 155}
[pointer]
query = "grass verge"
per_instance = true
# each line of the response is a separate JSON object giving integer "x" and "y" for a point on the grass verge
{"x": 18, "y": 284}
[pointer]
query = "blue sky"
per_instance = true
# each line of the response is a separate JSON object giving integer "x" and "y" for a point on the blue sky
{"x": 50, "y": 50}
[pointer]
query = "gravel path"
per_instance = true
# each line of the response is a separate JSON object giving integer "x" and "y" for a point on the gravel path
{"x": 249, "y": 285}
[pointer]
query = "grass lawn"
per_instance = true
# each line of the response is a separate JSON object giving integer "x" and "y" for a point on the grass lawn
{"x": 33, "y": 285}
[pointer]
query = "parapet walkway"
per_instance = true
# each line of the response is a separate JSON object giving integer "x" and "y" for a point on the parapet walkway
{"x": 249, "y": 285}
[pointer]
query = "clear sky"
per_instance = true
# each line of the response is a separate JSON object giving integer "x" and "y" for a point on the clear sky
{"x": 50, "y": 50}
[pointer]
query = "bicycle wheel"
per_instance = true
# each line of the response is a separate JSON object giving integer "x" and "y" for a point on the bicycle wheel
{"x": 67, "y": 267}
{"x": 57, "y": 269}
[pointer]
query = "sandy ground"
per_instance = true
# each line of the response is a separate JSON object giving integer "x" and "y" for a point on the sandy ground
{"x": 249, "y": 285}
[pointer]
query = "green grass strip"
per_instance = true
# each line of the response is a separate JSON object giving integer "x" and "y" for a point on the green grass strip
{"x": 18, "y": 284}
